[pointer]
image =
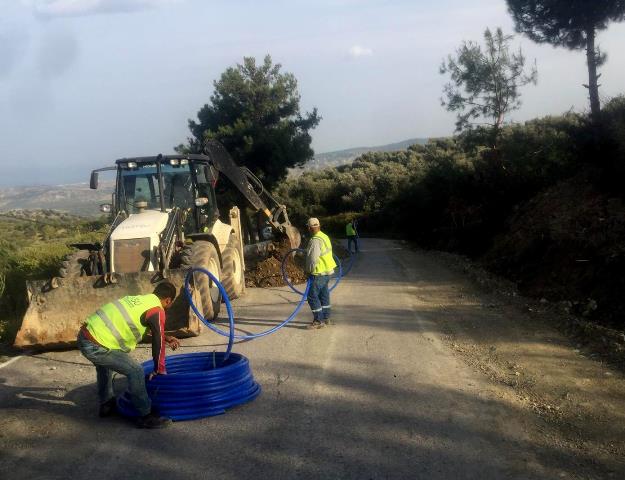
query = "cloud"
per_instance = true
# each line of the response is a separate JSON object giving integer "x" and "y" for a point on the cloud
{"x": 77, "y": 8}
{"x": 358, "y": 51}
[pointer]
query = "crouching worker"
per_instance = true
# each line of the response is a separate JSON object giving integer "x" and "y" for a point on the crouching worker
{"x": 320, "y": 265}
{"x": 109, "y": 334}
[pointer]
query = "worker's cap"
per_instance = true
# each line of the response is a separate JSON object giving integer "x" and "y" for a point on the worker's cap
{"x": 313, "y": 222}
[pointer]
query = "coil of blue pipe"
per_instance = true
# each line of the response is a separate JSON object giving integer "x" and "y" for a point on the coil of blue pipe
{"x": 198, "y": 385}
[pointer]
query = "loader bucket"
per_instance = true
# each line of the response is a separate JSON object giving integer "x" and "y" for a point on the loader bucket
{"x": 58, "y": 308}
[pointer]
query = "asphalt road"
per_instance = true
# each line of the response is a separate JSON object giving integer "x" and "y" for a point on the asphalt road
{"x": 376, "y": 396}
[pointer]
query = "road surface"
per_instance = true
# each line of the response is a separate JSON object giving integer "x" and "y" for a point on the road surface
{"x": 379, "y": 395}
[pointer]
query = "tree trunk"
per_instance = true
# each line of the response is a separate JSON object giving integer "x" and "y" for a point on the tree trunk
{"x": 593, "y": 86}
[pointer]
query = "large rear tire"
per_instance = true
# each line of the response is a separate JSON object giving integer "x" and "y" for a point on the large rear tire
{"x": 76, "y": 264}
{"x": 204, "y": 255}
{"x": 233, "y": 277}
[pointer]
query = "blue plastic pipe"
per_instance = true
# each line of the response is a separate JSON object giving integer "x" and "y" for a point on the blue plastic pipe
{"x": 197, "y": 385}
{"x": 231, "y": 334}
{"x": 338, "y": 277}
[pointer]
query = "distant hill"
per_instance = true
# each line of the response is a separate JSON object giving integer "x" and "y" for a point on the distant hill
{"x": 76, "y": 198}
{"x": 79, "y": 199}
{"x": 342, "y": 157}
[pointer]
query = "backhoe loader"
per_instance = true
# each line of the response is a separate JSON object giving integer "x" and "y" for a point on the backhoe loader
{"x": 165, "y": 220}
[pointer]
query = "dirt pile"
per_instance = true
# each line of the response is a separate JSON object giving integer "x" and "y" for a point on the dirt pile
{"x": 268, "y": 272}
{"x": 567, "y": 245}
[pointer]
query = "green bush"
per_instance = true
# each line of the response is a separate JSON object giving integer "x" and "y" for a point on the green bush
{"x": 369, "y": 183}
{"x": 606, "y": 147}
{"x": 31, "y": 249}
{"x": 455, "y": 193}
{"x": 335, "y": 225}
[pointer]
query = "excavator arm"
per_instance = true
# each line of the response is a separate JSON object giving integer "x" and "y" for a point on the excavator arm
{"x": 252, "y": 189}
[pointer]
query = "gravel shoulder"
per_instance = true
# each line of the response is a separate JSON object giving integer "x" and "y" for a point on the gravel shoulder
{"x": 574, "y": 388}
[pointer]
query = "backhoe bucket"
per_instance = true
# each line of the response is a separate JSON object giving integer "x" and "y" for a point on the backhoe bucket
{"x": 295, "y": 238}
{"x": 57, "y": 308}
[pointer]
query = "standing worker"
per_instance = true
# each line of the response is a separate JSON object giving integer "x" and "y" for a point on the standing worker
{"x": 352, "y": 236}
{"x": 320, "y": 265}
{"x": 109, "y": 334}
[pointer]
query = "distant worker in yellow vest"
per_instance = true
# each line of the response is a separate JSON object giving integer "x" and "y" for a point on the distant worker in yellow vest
{"x": 352, "y": 236}
{"x": 320, "y": 265}
{"x": 109, "y": 334}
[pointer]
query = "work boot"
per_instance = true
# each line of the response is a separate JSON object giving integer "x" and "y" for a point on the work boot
{"x": 152, "y": 421}
{"x": 315, "y": 324}
{"x": 108, "y": 408}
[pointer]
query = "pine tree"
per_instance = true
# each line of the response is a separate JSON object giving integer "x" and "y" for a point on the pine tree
{"x": 485, "y": 82}
{"x": 254, "y": 111}
{"x": 573, "y": 24}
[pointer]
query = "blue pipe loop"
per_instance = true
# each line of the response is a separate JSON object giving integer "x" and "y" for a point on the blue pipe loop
{"x": 338, "y": 277}
{"x": 187, "y": 290}
{"x": 231, "y": 334}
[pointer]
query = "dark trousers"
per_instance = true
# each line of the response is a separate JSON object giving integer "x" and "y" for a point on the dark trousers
{"x": 352, "y": 239}
{"x": 319, "y": 297}
{"x": 106, "y": 362}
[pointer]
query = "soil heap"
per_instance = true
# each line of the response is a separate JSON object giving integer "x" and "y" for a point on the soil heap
{"x": 268, "y": 272}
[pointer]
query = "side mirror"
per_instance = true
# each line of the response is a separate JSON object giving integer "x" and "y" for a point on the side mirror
{"x": 105, "y": 208}
{"x": 93, "y": 183}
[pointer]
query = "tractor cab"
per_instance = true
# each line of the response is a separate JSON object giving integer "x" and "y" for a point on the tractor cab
{"x": 167, "y": 183}
{"x": 158, "y": 202}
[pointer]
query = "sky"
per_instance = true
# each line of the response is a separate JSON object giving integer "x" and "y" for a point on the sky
{"x": 83, "y": 82}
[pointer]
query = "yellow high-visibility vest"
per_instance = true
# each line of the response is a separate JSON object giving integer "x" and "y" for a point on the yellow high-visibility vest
{"x": 117, "y": 325}
{"x": 349, "y": 230}
{"x": 326, "y": 264}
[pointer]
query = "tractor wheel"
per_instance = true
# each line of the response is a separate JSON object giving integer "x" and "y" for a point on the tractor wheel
{"x": 203, "y": 254}
{"x": 232, "y": 274}
{"x": 76, "y": 264}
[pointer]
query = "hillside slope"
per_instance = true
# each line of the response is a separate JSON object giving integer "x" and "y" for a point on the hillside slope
{"x": 568, "y": 244}
{"x": 77, "y": 198}
{"x": 341, "y": 157}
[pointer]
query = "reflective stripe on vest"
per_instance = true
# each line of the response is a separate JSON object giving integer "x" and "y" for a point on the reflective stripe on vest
{"x": 133, "y": 328}
{"x": 117, "y": 325}
{"x": 326, "y": 264}
{"x": 111, "y": 326}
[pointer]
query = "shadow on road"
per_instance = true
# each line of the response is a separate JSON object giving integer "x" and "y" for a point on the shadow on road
{"x": 380, "y": 429}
